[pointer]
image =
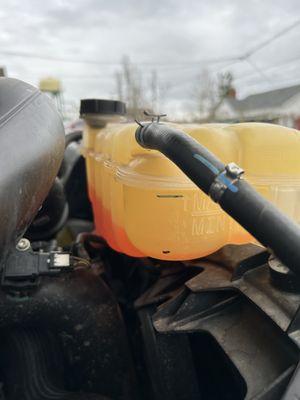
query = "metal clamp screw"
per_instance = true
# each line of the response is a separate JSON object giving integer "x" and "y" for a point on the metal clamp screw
{"x": 234, "y": 170}
{"x": 23, "y": 244}
{"x": 225, "y": 180}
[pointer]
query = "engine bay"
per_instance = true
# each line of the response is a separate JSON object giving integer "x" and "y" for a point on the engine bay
{"x": 81, "y": 320}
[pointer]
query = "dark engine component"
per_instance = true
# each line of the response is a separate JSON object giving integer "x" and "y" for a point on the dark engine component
{"x": 33, "y": 367}
{"x": 65, "y": 338}
{"x": 214, "y": 328}
{"x": 225, "y": 334}
{"x": 52, "y": 216}
{"x": 32, "y": 146}
{"x": 73, "y": 176}
{"x": 67, "y": 200}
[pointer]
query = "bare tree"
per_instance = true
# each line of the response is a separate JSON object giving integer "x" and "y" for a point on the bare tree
{"x": 154, "y": 92}
{"x": 210, "y": 93}
{"x": 129, "y": 87}
{"x": 119, "y": 85}
{"x": 157, "y": 93}
{"x": 138, "y": 91}
{"x": 205, "y": 94}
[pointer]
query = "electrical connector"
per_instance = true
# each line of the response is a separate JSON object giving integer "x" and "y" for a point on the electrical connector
{"x": 24, "y": 267}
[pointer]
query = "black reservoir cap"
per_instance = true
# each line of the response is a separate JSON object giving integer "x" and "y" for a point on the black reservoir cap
{"x": 101, "y": 107}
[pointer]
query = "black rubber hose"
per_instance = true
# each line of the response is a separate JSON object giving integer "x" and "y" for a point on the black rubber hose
{"x": 52, "y": 216}
{"x": 241, "y": 201}
{"x": 73, "y": 136}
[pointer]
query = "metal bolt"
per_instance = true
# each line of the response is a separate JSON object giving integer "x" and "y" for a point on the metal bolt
{"x": 277, "y": 265}
{"x": 234, "y": 169}
{"x": 23, "y": 244}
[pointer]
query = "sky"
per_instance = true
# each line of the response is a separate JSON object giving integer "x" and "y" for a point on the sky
{"x": 82, "y": 42}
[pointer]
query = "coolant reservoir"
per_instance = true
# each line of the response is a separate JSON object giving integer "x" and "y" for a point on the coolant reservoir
{"x": 145, "y": 206}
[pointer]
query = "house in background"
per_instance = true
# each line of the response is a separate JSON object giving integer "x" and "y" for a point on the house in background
{"x": 280, "y": 106}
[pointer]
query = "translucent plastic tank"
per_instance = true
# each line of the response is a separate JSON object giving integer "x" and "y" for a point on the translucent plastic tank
{"x": 145, "y": 206}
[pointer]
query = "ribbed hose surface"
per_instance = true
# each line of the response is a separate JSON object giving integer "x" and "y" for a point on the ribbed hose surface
{"x": 32, "y": 368}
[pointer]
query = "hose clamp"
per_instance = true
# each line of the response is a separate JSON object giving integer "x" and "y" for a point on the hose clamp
{"x": 225, "y": 180}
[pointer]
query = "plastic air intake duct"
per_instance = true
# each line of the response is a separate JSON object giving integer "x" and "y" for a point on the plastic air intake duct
{"x": 32, "y": 143}
{"x": 224, "y": 185}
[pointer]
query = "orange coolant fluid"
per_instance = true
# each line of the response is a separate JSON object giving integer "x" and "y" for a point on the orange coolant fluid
{"x": 145, "y": 206}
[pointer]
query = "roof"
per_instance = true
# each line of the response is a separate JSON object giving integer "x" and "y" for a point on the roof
{"x": 271, "y": 99}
